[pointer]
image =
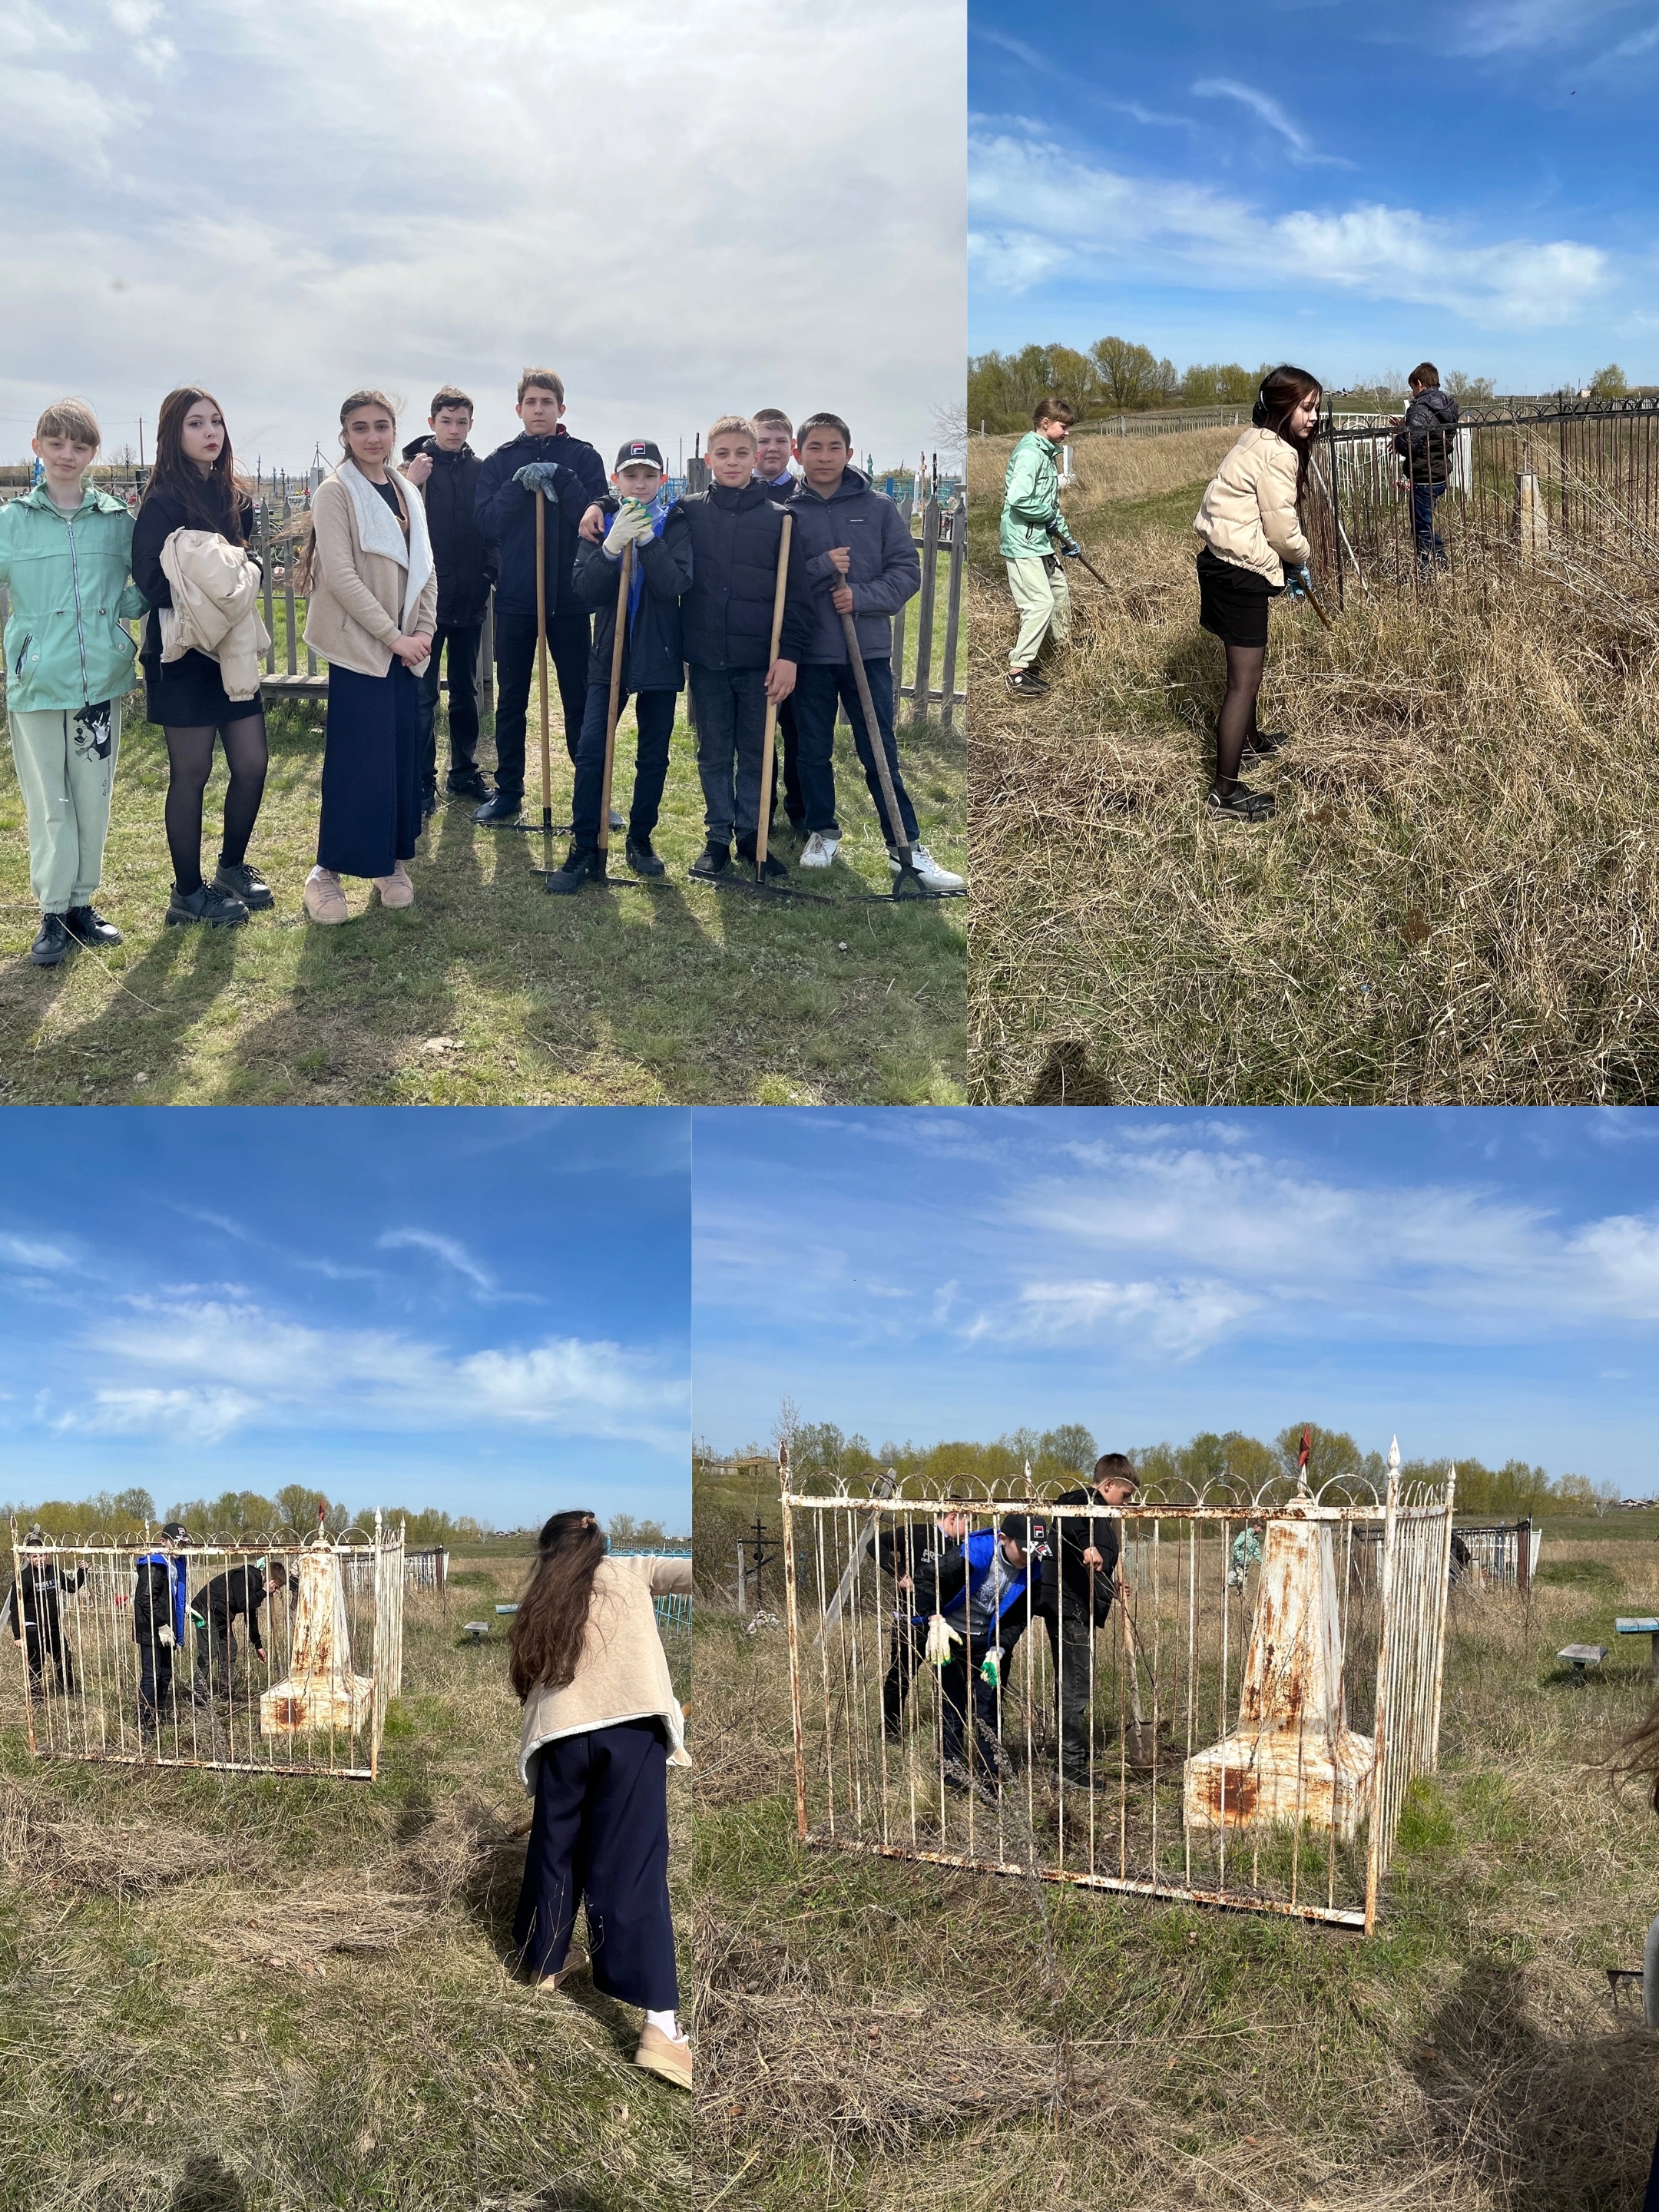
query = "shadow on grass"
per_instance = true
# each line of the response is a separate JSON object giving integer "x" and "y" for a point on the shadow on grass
{"x": 208, "y": 2185}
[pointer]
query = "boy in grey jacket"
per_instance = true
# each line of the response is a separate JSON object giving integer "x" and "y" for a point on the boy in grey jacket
{"x": 861, "y": 560}
{"x": 1426, "y": 439}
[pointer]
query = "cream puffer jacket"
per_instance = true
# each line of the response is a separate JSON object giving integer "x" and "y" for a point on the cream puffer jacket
{"x": 622, "y": 1673}
{"x": 216, "y": 607}
{"x": 1248, "y": 515}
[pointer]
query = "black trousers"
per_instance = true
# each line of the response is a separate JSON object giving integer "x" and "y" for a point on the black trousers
{"x": 462, "y": 646}
{"x": 569, "y": 638}
{"x": 216, "y": 1654}
{"x": 789, "y": 753}
{"x": 41, "y": 1644}
{"x": 731, "y": 704}
{"x": 1071, "y": 1644}
{"x": 653, "y": 713}
{"x": 154, "y": 1682}
{"x": 964, "y": 1665}
{"x": 599, "y": 1834}
{"x": 909, "y": 1646}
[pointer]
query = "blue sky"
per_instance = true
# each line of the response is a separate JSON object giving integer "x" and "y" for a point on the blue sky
{"x": 482, "y": 1310}
{"x": 686, "y": 210}
{"x": 1481, "y": 1281}
{"x": 1349, "y": 187}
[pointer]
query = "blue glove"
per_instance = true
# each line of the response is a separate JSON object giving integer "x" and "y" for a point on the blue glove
{"x": 1298, "y": 582}
{"x": 538, "y": 476}
{"x": 1070, "y": 550}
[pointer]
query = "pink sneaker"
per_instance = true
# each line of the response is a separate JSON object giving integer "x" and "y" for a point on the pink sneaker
{"x": 396, "y": 890}
{"x": 324, "y": 899}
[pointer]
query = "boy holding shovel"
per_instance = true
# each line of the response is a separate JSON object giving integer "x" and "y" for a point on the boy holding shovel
{"x": 644, "y": 592}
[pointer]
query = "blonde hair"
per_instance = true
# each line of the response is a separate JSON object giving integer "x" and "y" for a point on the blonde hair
{"x": 772, "y": 415}
{"x": 546, "y": 379}
{"x": 729, "y": 426}
{"x": 70, "y": 418}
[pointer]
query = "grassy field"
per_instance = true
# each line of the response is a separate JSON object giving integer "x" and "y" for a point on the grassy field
{"x": 226, "y": 1993}
{"x": 877, "y": 2034}
{"x": 486, "y": 991}
{"x": 1458, "y": 900}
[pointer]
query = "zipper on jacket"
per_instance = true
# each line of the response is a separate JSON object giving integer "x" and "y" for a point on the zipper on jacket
{"x": 80, "y": 631}
{"x": 22, "y": 655}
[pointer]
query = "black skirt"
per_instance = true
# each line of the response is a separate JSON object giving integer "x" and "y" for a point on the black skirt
{"x": 1232, "y": 602}
{"x": 190, "y": 694}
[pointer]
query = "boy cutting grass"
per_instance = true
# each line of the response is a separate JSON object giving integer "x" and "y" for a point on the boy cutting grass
{"x": 1031, "y": 521}
{"x": 66, "y": 558}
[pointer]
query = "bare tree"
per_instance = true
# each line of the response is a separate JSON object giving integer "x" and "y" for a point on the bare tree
{"x": 787, "y": 1427}
{"x": 950, "y": 429}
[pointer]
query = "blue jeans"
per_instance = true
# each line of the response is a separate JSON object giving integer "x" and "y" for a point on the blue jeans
{"x": 731, "y": 704}
{"x": 654, "y": 713}
{"x": 818, "y": 686}
{"x": 1431, "y": 545}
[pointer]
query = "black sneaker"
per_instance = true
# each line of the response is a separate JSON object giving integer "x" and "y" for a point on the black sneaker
{"x": 429, "y": 805}
{"x": 712, "y": 860}
{"x": 498, "y": 810}
{"x": 618, "y": 821}
{"x": 245, "y": 883}
{"x": 222, "y": 909}
{"x": 581, "y": 862}
{"x": 467, "y": 787}
{"x": 88, "y": 927}
{"x": 1243, "y": 805}
{"x": 53, "y": 942}
{"x": 642, "y": 858}
{"x": 1264, "y": 743}
{"x": 1024, "y": 683}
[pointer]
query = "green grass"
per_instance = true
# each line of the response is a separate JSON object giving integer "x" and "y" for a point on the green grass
{"x": 486, "y": 991}
{"x": 196, "y": 2039}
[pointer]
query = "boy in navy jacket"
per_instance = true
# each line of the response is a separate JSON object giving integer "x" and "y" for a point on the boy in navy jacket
{"x": 653, "y": 662}
{"x": 543, "y": 461}
{"x": 444, "y": 468}
{"x": 861, "y": 560}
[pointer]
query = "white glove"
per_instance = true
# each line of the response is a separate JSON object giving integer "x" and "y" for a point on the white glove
{"x": 620, "y": 533}
{"x": 166, "y": 1637}
{"x": 940, "y": 1636}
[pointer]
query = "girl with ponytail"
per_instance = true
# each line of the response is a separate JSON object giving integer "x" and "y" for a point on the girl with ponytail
{"x": 1253, "y": 545}
{"x": 601, "y": 1727}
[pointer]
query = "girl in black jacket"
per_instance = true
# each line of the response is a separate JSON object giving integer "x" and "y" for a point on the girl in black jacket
{"x": 193, "y": 487}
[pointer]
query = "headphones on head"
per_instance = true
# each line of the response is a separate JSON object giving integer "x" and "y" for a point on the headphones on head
{"x": 1259, "y": 412}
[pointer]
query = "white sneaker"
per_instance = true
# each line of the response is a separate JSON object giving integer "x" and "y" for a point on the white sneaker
{"x": 819, "y": 850}
{"x": 935, "y": 878}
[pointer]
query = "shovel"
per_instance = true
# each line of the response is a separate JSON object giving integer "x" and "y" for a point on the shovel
{"x": 545, "y": 830}
{"x": 614, "y": 707}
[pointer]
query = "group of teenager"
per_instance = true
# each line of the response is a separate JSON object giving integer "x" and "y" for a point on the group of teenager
{"x": 399, "y": 555}
{"x": 1254, "y": 546}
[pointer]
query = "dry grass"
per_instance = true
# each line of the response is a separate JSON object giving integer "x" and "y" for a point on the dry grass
{"x": 228, "y": 1993}
{"x": 1457, "y": 902}
{"x": 879, "y": 2034}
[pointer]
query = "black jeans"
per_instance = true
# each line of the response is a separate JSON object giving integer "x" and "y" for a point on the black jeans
{"x": 1072, "y": 1642}
{"x": 37, "y": 1647}
{"x": 462, "y": 646}
{"x": 966, "y": 1658}
{"x": 569, "y": 638}
{"x": 654, "y": 713}
{"x": 788, "y": 752}
{"x": 910, "y": 1644}
{"x": 155, "y": 1683}
{"x": 1431, "y": 545}
{"x": 215, "y": 1656}
{"x": 731, "y": 704}
{"x": 818, "y": 686}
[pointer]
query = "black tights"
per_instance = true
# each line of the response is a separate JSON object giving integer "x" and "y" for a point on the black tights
{"x": 1236, "y": 720}
{"x": 190, "y": 763}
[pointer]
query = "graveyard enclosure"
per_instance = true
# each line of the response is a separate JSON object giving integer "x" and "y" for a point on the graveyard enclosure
{"x": 102, "y": 1681}
{"x": 1265, "y": 1688}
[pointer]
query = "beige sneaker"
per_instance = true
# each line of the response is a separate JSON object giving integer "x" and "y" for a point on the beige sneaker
{"x": 660, "y": 2055}
{"x": 396, "y": 890}
{"x": 576, "y": 1962}
{"x": 324, "y": 899}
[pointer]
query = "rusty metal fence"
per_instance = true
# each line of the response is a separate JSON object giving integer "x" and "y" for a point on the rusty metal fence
{"x": 1263, "y": 1689}
{"x": 1566, "y": 488}
{"x": 276, "y": 1657}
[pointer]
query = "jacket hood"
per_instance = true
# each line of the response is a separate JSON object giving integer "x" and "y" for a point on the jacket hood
{"x": 853, "y": 481}
{"x": 429, "y": 444}
{"x": 102, "y": 501}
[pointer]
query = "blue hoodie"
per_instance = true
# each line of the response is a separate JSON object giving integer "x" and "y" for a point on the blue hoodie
{"x": 980, "y": 1548}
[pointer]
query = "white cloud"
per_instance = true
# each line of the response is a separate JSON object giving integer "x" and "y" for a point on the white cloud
{"x": 186, "y": 1416}
{"x": 1303, "y": 151}
{"x": 446, "y": 1248}
{"x": 1036, "y": 209}
{"x": 1180, "y": 1318}
{"x": 1501, "y": 27}
{"x": 32, "y": 1253}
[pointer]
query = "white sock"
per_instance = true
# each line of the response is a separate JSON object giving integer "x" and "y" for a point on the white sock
{"x": 666, "y": 2023}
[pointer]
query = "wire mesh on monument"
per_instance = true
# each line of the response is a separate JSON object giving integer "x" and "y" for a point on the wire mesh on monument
{"x": 276, "y": 1656}
{"x": 1230, "y": 1710}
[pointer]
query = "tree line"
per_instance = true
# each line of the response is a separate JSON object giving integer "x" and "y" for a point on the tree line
{"x": 243, "y": 1514}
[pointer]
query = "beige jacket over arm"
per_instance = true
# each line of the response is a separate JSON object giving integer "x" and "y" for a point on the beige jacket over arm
{"x": 216, "y": 607}
{"x": 623, "y": 1674}
{"x": 1248, "y": 515}
{"x": 356, "y": 595}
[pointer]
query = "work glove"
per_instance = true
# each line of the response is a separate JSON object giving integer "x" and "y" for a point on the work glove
{"x": 166, "y": 1638}
{"x": 940, "y": 1636}
{"x": 990, "y": 1671}
{"x": 1299, "y": 582}
{"x": 631, "y": 525}
{"x": 1070, "y": 550}
{"x": 539, "y": 475}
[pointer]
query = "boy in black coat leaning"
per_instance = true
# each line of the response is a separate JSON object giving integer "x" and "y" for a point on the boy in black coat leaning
{"x": 861, "y": 560}
{"x": 445, "y": 469}
{"x": 1077, "y": 1596}
{"x": 653, "y": 661}
{"x": 34, "y": 1619}
{"x": 727, "y": 622}
{"x": 543, "y": 461}
{"x": 1426, "y": 439}
{"x": 239, "y": 1591}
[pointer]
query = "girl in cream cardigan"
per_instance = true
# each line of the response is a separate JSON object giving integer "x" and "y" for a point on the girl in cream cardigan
{"x": 1254, "y": 545}
{"x": 601, "y": 1727}
{"x": 373, "y": 600}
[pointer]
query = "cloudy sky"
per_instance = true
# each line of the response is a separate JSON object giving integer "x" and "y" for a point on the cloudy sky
{"x": 1349, "y": 187}
{"x": 684, "y": 209}
{"x": 1480, "y": 1282}
{"x": 485, "y": 1312}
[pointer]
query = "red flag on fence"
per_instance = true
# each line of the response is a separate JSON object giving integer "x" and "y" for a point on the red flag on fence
{"x": 1302, "y": 1455}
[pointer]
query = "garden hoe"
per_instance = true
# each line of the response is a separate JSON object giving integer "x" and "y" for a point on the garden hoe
{"x": 907, "y": 884}
{"x": 612, "y": 714}
{"x": 545, "y": 830}
{"x": 1056, "y": 543}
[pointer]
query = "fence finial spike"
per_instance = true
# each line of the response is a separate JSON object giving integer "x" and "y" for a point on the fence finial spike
{"x": 1394, "y": 1456}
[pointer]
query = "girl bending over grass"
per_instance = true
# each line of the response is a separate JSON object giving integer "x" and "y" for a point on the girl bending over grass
{"x": 1254, "y": 544}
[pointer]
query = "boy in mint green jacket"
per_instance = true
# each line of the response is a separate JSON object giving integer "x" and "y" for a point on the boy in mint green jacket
{"x": 1031, "y": 521}
{"x": 65, "y": 561}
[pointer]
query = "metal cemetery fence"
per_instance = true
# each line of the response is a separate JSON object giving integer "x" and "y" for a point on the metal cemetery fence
{"x": 1566, "y": 485}
{"x": 102, "y": 1681}
{"x": 1265, "y": 1689}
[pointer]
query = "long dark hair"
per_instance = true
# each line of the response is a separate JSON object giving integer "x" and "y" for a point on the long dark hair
{"x": 551, "y": 1622}
{"x": 1283, "y": 391}
{"x": 1637, "y": 1757}
{"x": 213, "y": 502}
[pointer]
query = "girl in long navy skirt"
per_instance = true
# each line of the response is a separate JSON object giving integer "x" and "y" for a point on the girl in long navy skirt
{"x": 601, "y": 1727}
{"x": 373, "y": 601}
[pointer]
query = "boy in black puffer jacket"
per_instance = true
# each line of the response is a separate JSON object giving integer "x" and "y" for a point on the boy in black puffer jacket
{"x": 653, "y": 662}
{"x": 727, "y": 622}
{"x": 1426, "y": 439}
{"x": 544, "y": 460}
{"x": 445, "y": 470}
